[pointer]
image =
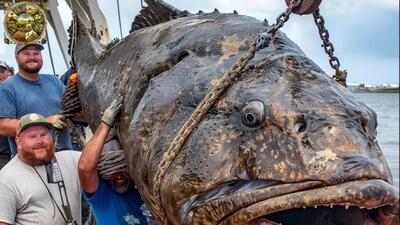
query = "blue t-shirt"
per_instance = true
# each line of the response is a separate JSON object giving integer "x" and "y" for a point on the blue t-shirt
{"x": 4, "y": 146}
{"x": 19, "y": 97}
{"x": 112, "y": 208}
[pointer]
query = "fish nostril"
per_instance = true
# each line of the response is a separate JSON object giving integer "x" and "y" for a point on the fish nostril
{"x": 182, "y": 55}
{"x": 364, "y": 124}
{"x": 300, "y": 127}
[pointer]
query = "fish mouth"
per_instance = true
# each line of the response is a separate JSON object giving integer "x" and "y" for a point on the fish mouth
{"x": 365, "y": 202}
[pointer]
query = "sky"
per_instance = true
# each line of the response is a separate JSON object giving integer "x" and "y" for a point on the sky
{"x": 365, "y": 33}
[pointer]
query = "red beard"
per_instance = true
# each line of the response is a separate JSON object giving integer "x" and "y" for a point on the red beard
{"x": 34, "y": 69}
{"x": 30, "y": 158}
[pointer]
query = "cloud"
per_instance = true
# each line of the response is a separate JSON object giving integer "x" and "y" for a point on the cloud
{"x": 342, "y": 7}
{"x": 365, "y": 33}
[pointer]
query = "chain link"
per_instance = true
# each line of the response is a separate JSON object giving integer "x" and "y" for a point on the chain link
{"x": 265, "y": 38}
{"x": 340, "y": 76}
{"x": 283, "y": 17}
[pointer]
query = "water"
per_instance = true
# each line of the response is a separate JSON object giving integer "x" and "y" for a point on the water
{"x": 386, "y": 106}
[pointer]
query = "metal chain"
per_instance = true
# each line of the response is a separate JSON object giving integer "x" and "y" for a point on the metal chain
{"x": 340, "y": 76}
{"x": 283, "y": 17}
{"x": 209, "y": 100}
{"x": 265, "y": 38}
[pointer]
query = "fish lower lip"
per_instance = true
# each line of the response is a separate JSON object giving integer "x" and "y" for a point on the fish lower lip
{"x": 364, "y": 197}
{"x": 271, "y": 205}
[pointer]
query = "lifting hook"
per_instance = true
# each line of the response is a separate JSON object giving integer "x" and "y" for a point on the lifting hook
{"x": 306, "y": 7}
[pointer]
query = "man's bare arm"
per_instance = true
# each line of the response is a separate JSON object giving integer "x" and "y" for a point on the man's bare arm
{"x": 90, "y": 156}
{"x": 92, "y": 150}
{"x": 8, "y": 127}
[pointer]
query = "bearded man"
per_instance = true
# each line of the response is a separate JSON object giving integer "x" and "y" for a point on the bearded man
{"x": 30, "y": 92}
{"x": 39, "y": 186}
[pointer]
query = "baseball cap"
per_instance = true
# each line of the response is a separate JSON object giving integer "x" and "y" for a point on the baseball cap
{"x": 4, "y": 65}
{"x": 32, "y": 119}
{"x": 19, "y": 47}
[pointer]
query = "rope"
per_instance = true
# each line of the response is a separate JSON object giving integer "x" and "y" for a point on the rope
{"x": 340, "y": 76}
{"x": 111, "y": 162}
{"x": 70, "y": 102}
{"x": 70, "y": 106}
{"x": 193, "y": 121}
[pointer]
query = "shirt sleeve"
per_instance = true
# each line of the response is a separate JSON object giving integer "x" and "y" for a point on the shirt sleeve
{"x": 8, "y": 204}
{"x": 98, "y": 198}
{"x": 60, "y": 86}
{"x": 7, "y": 102}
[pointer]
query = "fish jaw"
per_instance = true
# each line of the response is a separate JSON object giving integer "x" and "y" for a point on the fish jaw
{"x": 373, "y": 202}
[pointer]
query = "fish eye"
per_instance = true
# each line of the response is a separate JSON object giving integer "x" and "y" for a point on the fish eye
{"x": 253, "y": 113}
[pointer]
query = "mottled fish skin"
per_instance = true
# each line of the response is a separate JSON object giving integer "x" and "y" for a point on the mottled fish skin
{"x": 285, "y": 121}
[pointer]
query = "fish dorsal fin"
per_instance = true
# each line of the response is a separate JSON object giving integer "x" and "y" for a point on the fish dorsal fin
{"x": 85, "y": 46}
{"x": 156, "y": 12}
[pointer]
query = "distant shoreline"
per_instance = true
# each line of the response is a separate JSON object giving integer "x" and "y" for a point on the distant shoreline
{"x": 378, "y": 90}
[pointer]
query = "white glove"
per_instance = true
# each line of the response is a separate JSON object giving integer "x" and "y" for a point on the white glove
{"x": 111, "y": 112}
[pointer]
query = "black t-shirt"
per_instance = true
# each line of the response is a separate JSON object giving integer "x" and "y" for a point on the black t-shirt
{"x": 4, "y": 146}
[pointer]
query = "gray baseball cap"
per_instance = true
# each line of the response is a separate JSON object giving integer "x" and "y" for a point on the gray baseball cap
{"x": 4, "y": 65}
{"x": 19, "y": 47}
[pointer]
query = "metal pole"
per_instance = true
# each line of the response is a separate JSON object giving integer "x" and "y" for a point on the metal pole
{"x": 51, "y": 56}
{"x": 119, "y": 19}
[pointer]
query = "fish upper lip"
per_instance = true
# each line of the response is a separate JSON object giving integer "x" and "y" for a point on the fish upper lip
{"x": 246, "y": 206}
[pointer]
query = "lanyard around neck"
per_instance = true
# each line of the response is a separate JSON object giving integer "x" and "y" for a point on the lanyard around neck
{"x": 56, "y": 172}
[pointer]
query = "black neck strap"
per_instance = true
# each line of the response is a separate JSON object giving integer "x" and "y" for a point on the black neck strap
{"x": 64, "y": 198}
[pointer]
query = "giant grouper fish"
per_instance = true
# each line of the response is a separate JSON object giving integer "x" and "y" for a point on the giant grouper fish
{"x": 284, "y": 144}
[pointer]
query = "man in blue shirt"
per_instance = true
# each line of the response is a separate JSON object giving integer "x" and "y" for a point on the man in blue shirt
{"x": 105, "y": 180}
{"x": 30, "y": 92}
